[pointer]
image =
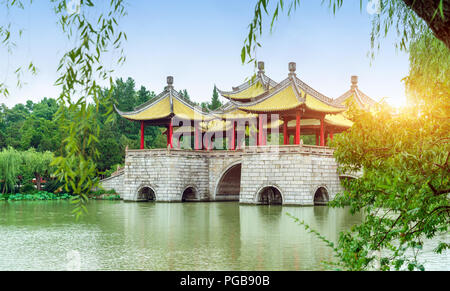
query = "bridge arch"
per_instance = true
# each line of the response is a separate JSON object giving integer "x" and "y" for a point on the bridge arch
{"x": 228, "y": 184}
{"x": 190, "y": 193}
{"x": 269, "y": 195}
{"x": 321, "y": 195}
{"x": 145, "y": 193}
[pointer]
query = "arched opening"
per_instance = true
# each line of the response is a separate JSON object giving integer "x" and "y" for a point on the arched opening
{"x": 146, "y": 194}
{"x": 229, "y": 185}
{"x": 189, "y": 194}
{"x": 270, "y": 196}
{"x": 321, "y": 196}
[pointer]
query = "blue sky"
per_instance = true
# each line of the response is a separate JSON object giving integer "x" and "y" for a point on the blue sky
{"x": 199, "y": 42}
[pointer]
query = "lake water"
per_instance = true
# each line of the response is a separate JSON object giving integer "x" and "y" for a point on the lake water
{"x": 171, "y": 236}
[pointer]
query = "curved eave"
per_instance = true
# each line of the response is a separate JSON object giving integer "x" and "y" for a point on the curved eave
{"x": 362, "y": 100}
{"x": 169, "y": 104}
{"x": 249, "y": 93}
{"x": 230, "y": 111}
{"x": 317, "y": 101}
{"x": 284, "y": 97}
{"x": 338, "y": 120}
{"x": 319, "y": 106}
{"x": 250, "y": 90}
{"x": 159, "y": 109}
{"x": 184, "y": 110}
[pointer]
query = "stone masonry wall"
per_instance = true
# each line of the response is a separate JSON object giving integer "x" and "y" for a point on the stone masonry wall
{"x": 114, "y": 182}
{"x": 296, "y": 171}
{"x": 168, "y": 173}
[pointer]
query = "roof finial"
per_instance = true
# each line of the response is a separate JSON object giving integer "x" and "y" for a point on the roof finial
{"x": 169, "y": 82}
{"x": 354, "y": 80}
{"x": 292, "y": 68}
{"x": 260, "y": 67}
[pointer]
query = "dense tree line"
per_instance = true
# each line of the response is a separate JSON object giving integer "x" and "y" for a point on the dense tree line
{"x": 35, "y": 125}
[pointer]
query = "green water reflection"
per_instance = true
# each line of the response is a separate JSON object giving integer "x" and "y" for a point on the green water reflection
{"x": 166, "y": 236}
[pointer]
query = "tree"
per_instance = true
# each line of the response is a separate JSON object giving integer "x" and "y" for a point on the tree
{"x": 405, "y": 185}
{"x": 10, "y": 161}
{"x": 38, "y": 165}
{"x": 428, "y": 10}
{"x": 143, "y": 95}
{"x": 215, "y": 102}
{"x": 91, "y": 34}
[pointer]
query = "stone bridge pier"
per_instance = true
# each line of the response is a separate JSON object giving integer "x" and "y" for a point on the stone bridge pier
{"x": 288, "y": 175}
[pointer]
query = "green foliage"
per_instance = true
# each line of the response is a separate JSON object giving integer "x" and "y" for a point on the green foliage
{"x": 10, "y": 161}
{"x": 18, "y": 167}
{"x": 41, "y": 195}
{"x": 405, "y": 183}
{"x": 215, "y": 102}
{"x": 113, "y": 169}
{"x": 394, "y": 15}
{"x": 404, "y": 157}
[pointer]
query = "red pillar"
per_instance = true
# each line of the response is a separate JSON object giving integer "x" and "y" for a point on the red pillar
{"x": 142, "y": 135}
{"x": 322, "y": 132}
{"x": 285, "y": 131}
{"x": 297, "y": 128}
{"x": 260, "y": 130}
{"x": 331, "y": 135}
{"x": 171, "y": 134}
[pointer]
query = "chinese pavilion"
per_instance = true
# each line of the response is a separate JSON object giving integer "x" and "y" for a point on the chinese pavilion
{"x": 254, "y": 109}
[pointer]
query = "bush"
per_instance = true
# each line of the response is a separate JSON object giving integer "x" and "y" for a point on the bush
{"x": 28, "y": 188}
{"x": 41, "y": 195}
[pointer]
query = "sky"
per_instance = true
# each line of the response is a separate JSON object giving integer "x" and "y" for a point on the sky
{"x": 199, "y": 43}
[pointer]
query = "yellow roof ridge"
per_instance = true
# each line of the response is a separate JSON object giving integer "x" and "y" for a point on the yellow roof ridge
{"x": 247, "y": 91}
{"x": 281, "y": 98}
{"x": 165, "y": 105}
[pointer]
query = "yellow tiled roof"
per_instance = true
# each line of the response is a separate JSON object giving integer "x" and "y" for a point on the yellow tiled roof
{"x": 283, "y": 100}
{"x": 186, "y": 112}
{"x": 317, "y": 105}
{"x": 304, "y": 122}
{"x": 161, "y": 109}
{"x": 251, "y": 92}
{"x": 338, "y": 120}
{"x": 237, "y": 114}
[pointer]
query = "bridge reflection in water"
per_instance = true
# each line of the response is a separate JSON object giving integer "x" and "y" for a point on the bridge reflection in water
{"x": 174, "y": 236}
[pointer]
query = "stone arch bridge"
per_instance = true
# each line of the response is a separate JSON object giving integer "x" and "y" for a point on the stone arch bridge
{"x": 289, "y": 175}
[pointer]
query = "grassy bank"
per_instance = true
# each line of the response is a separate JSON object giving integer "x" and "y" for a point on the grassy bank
{"x": 43, "y": 195}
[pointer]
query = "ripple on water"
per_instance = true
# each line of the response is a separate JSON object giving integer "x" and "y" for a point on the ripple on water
{"x": 169, "y": 236}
